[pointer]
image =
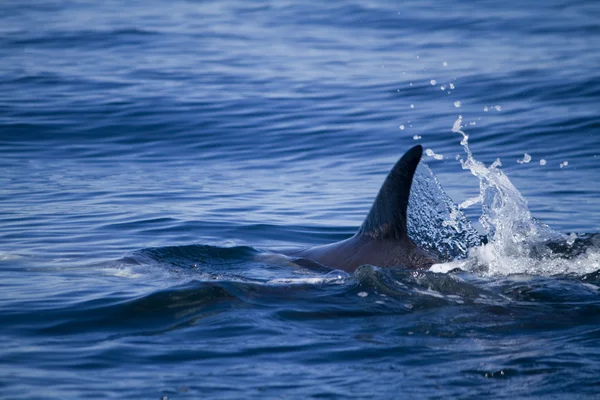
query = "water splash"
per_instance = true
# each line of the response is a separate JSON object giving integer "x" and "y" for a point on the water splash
{"x": 517, "y": 242}
{"x": 435, "y": 222}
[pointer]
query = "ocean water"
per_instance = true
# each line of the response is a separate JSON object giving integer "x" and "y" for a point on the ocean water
{"x": 156, "y": 156}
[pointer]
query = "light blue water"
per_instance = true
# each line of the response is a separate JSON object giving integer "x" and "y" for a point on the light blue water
{"x": 152, "y": 152}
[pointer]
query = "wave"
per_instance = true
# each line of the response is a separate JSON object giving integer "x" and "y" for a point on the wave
{"x": 305, "y": 295}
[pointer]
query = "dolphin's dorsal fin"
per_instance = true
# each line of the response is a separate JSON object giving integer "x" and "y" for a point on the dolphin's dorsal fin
{"x": 387, "y": 218}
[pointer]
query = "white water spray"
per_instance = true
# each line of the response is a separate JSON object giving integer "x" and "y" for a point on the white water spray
{"x": 517, "y": 242}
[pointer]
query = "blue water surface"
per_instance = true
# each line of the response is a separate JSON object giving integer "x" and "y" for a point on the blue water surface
{"x": 154, "y": 154}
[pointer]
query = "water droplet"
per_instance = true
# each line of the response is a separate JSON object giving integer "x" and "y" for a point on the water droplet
{"x": 433, "y": 82}
{"x": 401, "y": 127}
{"x": 486, "y": 109}
{"x": 526, "y": 159}
{"x": 363, "y": 294}
{"x": 542, "y": 162}
{"x": 416, "y": 137}
{"x": 412, "y": 106}
{"x": 445, "y": 63}
{"x": 452, "y": 86}
{"x": 457, "y": 104}
{"x": 431, "y": 153}
{"x": 564, "y": 164}
{"x": 443, "y": 87}
{"x": 498, "y": 108}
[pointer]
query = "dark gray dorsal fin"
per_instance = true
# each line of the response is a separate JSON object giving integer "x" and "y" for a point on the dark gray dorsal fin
{"x": 387, "y": 218}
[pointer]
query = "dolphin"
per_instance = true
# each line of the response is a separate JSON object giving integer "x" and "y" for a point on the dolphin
{"x": 382, "y": 240}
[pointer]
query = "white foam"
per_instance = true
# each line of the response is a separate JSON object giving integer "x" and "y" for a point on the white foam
{"x": 123, "y": 272}
{"x": 304, "y": 281}
{"x": 446, "y": 267}
{"x": 430, "y": 292}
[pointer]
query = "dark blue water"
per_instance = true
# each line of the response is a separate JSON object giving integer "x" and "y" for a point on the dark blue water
{"x": 155, "y": 155}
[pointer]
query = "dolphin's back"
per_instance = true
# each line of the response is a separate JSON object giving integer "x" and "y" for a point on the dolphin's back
{"x": 382, "y": 239}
